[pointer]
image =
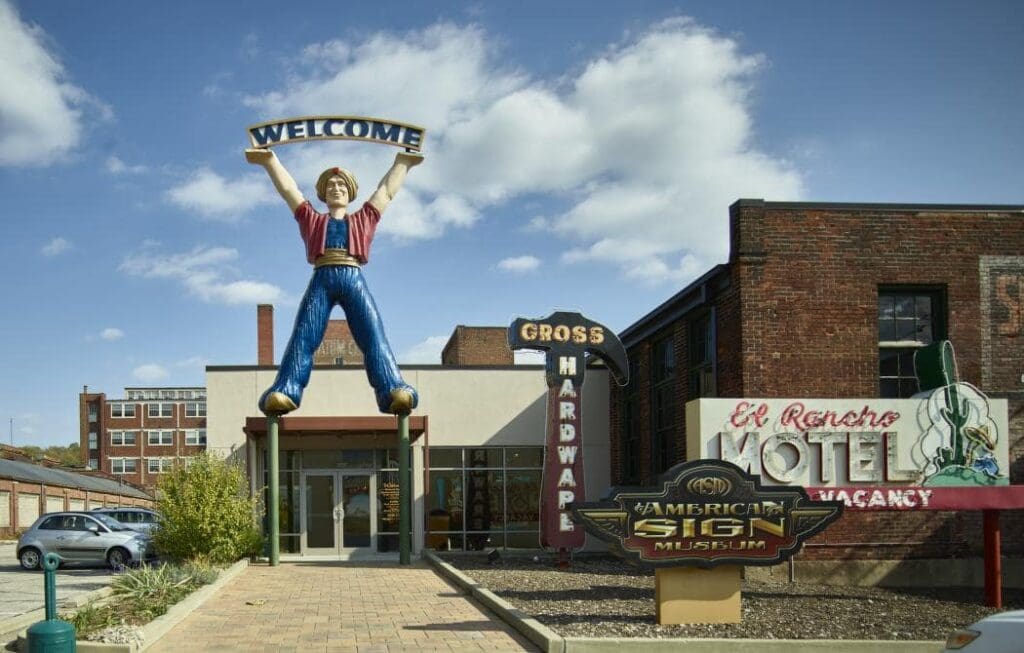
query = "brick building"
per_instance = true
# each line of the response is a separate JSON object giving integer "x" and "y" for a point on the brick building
{"x": 470, "y": 345}
{"x": 830, "y": 301}
{"x": 140, "y": 436}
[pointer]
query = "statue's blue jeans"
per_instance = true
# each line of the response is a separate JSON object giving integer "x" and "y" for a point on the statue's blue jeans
{"x": 345, "y": 286}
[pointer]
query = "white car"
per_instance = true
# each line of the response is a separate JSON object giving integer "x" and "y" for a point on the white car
{"x": 1002, "y": 632}
{"x": 137, "y": 519}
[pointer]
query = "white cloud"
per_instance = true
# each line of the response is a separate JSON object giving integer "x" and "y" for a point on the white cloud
{"x": 217, "y": 198}
{"x": 56, "y": 246}
{"x": 204, "y": 273}
{"x": 425, "y": 352}
{"x": 41, "y": 112}
{"x": 150, "y": 372}
{"x": 519, "y": 264}
{"x": 116, "y": 166}
{"x": 111, "y": 333}
{"x": 646, "y": 144}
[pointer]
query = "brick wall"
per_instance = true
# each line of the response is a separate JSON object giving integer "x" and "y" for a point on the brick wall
{"x": 265, "y": 334}
{"x": 338, "y": 344}
{"x": 800, "y": 319}
{"x": 477, "y": 346}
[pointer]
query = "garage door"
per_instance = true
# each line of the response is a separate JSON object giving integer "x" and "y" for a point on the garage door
{"x": 76, "y": 504}
{"x": 5, "y": 509}
{"x": 28, "y": 509}
{"x": 54, "y": 504}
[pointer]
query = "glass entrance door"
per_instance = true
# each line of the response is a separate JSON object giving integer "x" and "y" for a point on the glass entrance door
{"x": 337, "y": 513}
{"x": 355, "y": 506}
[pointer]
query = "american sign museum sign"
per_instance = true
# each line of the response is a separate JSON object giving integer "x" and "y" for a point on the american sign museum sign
{"x": 870, "y": 454}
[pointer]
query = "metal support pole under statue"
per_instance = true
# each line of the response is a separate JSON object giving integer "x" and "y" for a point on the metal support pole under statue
{"x": 404, "y": 491}
{"x": 275, "y": 490}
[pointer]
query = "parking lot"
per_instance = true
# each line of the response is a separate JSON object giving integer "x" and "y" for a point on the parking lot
{"x": 22, "y": 591}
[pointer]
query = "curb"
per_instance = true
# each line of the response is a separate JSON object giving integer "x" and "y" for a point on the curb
{"x": 160, "y": 626}
{"x": 154, "y": 630}
{"x": 535, "y": 631}
{"x": 551, "y": 642}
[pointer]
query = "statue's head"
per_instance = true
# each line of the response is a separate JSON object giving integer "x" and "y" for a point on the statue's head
{"x": 333, "y": 178}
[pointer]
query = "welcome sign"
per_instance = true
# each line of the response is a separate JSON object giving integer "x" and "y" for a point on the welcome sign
{"x": 374, "y": 130}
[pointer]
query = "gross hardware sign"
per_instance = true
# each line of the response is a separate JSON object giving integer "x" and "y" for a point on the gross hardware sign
{"x": 707, "y": 513}
{"x": 566, "y": 338}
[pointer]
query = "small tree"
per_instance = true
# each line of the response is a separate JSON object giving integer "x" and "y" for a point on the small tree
{"x": 206, "y": 512}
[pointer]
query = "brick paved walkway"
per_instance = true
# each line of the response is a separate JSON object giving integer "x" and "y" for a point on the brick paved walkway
{"x": 357, "y": 607}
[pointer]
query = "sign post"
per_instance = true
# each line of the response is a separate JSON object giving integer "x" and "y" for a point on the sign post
{"x": 273, "y": 476}
{"x": 404, "y": 490}
{"x": 566, "y": 338}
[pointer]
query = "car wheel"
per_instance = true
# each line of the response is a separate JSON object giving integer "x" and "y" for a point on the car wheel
{"x": 117, "y": 558}
{"x": 29, "y": 558}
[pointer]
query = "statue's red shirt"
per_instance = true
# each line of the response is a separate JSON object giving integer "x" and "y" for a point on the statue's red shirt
{"x": 313, "y": 228}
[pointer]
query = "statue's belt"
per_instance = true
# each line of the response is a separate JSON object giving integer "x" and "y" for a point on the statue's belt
{"x": 336, "y": 257}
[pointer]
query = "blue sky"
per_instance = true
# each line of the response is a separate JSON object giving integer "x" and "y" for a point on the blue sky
{"x": 578, "y": 157}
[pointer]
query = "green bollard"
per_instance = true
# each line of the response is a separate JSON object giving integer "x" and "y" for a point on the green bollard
{"x": 52, "y": 635}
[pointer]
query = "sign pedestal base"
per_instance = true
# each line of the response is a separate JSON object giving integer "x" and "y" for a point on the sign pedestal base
{"x": 688, "y": 595}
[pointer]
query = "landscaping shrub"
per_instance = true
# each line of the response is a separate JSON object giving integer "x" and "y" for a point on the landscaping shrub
{"x": 206, "y": 512}
{"x": 141, "y": 595}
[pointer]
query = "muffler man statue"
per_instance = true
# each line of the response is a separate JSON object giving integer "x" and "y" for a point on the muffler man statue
{"x": 337, "y": 245}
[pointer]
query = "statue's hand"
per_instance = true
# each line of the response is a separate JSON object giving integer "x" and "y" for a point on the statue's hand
{"x": 410, "y": 159}
{"x": 258, "y": 156}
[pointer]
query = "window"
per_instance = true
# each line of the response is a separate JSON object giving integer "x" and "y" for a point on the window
{"x": 123, "y": 465}
{"x": 94, "y": 463}
{"x": 160, "y": 438}
{"x": 123, "y": 438}
{"x": 159, "y": 465}
{"x": 52, "y": 524}
{"x": 93, "y": 440}
{"x": 908, "y": 319}
{"x": 663, "y": 414}
{"x": 700, "y": 359}
{"x": 193, "y": 409}
{"x": 93, "y": 412}
{"x": 484, "y": 497}
{"x": 167, "y": 394}
{"x": 161, "y": 410}
{"x": 629, "y": 465}
{"x": 122, "y": 410}
{"x": 195, "y": 437}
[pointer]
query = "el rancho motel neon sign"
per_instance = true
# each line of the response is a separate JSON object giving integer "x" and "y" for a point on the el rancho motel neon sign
{"x": 878, "y": 454}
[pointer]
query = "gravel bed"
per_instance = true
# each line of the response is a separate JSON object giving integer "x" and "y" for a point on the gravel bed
{"x": 606, "y": 597}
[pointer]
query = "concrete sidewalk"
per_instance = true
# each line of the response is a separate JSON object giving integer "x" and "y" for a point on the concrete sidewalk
{"x": 332, "y": 606}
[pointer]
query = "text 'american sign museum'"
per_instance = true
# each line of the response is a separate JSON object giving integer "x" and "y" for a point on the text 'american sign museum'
{"x": 706, "y": 513}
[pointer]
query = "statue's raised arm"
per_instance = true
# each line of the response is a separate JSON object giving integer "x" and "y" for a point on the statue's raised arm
{"x": 393, "y": 179}
{"x": 283, "y": 181}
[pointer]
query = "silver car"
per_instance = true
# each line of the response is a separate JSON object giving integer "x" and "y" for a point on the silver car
{"x": 137, "y": 519}
{"x": 82, "y": 537}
